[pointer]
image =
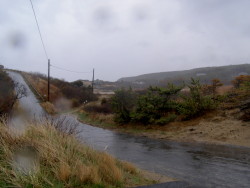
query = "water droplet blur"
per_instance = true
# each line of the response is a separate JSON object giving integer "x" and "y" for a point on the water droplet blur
{"x": 17, "y": 40}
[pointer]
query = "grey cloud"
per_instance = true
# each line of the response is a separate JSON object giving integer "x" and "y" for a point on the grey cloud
{"x": 103, "y": 15}
{"x": 124, "y": 38}
{"x": 141, "y": 13}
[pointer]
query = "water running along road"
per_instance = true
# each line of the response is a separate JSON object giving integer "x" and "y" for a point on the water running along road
{"x": 199, "y": 164}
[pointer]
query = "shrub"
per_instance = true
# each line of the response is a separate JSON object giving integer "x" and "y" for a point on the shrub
{"x": 166, "y": 120}
{"x": 104, "y": 108}
{"x": 123, "y": 102}
{"x": 241, "y": 80}
{"x": 77, "y": 83}
{"x": 6, "y": 92}
{"x": 212, "y": 89}
{"x": 10, "y": 92}
{"x": 104, "y": 101}
{"x": 75, "y": 103}
{"x": 195, "y": 103}
{"x": 59, "y": 88}
{"x": 80, "y": 94}
{"x": 155, "y": 105}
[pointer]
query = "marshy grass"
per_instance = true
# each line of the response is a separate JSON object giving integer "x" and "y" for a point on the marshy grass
{"x": 58, "y": 160}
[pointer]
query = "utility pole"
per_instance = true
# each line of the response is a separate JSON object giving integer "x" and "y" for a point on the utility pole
{"x": 93, "y": 80}
{"x": 48, "y": 79}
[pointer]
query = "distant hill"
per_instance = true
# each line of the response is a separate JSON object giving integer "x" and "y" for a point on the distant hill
{"x": 205, "y": 74}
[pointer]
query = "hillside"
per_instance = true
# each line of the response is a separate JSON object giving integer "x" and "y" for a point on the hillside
{"x": 224, "y": 73}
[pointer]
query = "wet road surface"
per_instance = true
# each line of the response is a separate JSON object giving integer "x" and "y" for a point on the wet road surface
{"x": 29, "y": 104}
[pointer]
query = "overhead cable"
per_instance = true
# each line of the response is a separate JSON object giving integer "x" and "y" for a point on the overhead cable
{"x": 70, "y": 70}
{"x": 39, "y": 29}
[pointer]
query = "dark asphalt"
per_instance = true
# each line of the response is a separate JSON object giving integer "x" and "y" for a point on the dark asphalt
{"x": 175, "y": 184}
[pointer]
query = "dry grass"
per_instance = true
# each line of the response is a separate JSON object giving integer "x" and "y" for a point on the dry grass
{"x": 222, "y": 90}
{"x": 62, "y": 161}
{"x": 129, "y": 167}
{"x": 41, "y": 86}
{"x": 49, "y": 107}
{"x": 97, "y": 119}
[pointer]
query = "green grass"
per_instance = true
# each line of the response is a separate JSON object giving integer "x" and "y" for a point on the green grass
{"x": 86, "y": 118}
{"x": 131, "y": 128}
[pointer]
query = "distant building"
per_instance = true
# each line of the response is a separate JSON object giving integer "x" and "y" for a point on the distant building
{"x": 86, "y": 83}
{"x": 96, "y": 91}
{"x": 139, "y": 82}
{"x": 242, "y": 73}
{"x": 201, "y": 74}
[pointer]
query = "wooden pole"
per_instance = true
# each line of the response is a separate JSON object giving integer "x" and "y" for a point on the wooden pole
{"x": 93, "y": 80}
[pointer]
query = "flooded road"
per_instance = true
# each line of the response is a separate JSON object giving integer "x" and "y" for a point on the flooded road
{"x": 199, "y": 164}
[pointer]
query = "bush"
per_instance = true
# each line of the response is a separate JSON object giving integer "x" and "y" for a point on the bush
{"x": 195, "y": 103}
{"x": 6, "y": 92}
{"x": 123, "y": 103}
{"x": 212, "y": 89}
{"x": 10, "y": 92}
{"x": 75, "y": 103}
{"x": 104, "y": 108}
{"x": 166, "y": 120}
{"x": 241, "y": 80}
{"x": 104, "y": 101}
{"x": 153, "y": 107}
{"x": 74, "y": 91}
{"x": 77, "y": 83}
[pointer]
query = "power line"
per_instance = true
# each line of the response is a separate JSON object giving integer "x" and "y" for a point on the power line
{"x": 69, "y": 70}
{"x": 39, "y": 29}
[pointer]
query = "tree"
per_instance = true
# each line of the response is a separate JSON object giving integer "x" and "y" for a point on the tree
{"x": 77, "y": 83}
{"x": 241, "y": 80}
{"x": 215, "y": 84}
{"x": 123, "y": 102}
{"x": 20, "y": 92}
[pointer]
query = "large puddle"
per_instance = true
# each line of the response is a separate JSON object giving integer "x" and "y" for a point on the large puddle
{"x": 198, "y": 164}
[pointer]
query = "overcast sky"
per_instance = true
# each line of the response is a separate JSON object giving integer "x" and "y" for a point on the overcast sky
{"x": 122, "y": 38}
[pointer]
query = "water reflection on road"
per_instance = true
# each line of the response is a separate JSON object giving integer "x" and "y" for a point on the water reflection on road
{"x": 199, "y": 164}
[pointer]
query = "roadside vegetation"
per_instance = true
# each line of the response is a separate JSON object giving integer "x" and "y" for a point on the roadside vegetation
{"x": 46, "y": 153}
{"x": 45, "y": 156}
{"x": 10, "y": 92}
{"x": 160, "y": 106}
{"x": 63, "y": 95}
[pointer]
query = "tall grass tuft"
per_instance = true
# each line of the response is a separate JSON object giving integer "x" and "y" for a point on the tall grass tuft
{"x": 61, "y": 161}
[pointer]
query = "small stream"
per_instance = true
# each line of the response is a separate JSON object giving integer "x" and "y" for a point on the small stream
{"x": 203, "y": 165}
